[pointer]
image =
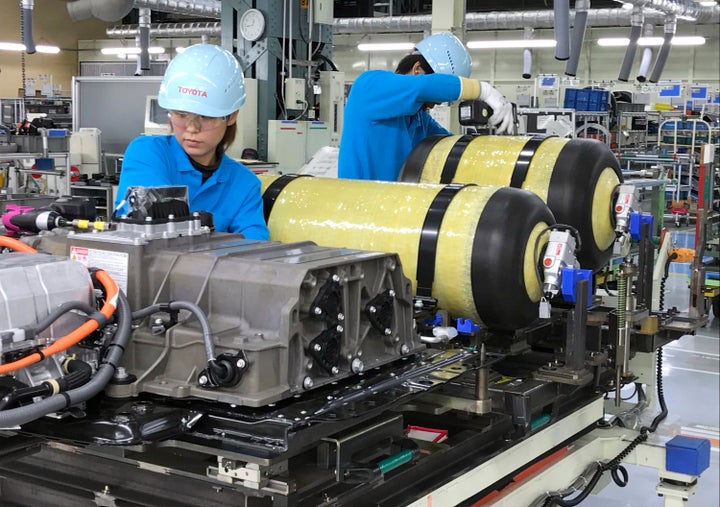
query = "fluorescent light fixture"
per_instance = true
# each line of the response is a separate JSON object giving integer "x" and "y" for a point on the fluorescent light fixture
{"x": 511, "y": 43}
{"x": 51, "y": 50}
{"x": 12, "y": 46}
{"x": 386, "y": 46}
{"x": 179, "y": 49}
{"x": 16, "y": 46}
{"x": 627, "y": 6}
{"x": 712, "y": 3}
{"x": 153, "y": 50}
{"x": 689, "y": 40}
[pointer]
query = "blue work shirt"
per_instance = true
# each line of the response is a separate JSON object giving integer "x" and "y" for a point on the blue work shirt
{"x": 231, "y": 193}
{"x": 384, "y": 121}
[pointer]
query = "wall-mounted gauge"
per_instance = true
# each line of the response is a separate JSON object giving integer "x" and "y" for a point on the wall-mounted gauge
{"x": 252, "y": 24}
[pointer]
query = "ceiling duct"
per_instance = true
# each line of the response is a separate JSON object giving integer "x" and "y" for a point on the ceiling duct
{"x": 167, "y": 30}
{"x": 517, "y": 20}
{"x": 26, "y": 25}
{"x": 506, "y": 20}
{"x": 636, "y": 24}
{"x": 199, "y": 8}
{"x": 578, "y": 36}
{"x": 143, "y": 41}
{"x": 105, "y": 10}
{"x": 686, "y": 8}
{"x": 528, "y": 33}
{"x": 661, "y": 60}
{"x": 646, "y": 57}
{"x": 561, "y": 14}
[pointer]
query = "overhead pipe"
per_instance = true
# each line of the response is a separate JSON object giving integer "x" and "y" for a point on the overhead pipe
{"x": 503, "y": 20}
{"x": 685, "y": 8}
{"x": 194, "y": 29}
{"x": 527, "y": 54}
{"x": 201, "y": 8}
{"x": 143, "y": 39}
{"x": 670, "y": 26}
{"x": 420, "y": 23}
{"x": 646, "y": 57}
{"x": 105, "y": 10}
{"x": 578, "y": 36}
{"x": 26, "y": 25}
{"x": 561, "y": 10}
{"x": 636, "y": 24}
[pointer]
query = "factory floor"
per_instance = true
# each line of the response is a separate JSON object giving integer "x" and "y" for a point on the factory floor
{"x": 691, "y": 384}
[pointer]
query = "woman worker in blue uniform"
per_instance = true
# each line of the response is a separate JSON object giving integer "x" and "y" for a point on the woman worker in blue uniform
{"x": 202, "y": 89}
{"x": 386, "y": 114}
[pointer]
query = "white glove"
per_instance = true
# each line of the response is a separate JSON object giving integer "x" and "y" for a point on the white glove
{"x": 502, "y": 118}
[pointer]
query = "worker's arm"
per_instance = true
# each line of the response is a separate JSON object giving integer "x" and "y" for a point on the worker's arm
{"x": 502, "y": 116}
{"x": 146, "y": 164}
{"x": 381, "y": 95}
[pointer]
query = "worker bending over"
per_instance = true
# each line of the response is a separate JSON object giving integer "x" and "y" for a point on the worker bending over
{"x": 386, "y": 114}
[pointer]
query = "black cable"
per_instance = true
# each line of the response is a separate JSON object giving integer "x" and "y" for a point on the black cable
{"x": 618, "y": 472}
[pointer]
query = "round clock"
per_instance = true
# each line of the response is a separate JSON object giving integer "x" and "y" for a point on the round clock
{"x": 252, "y": 24}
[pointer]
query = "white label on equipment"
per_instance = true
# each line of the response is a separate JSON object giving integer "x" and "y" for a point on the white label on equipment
{"x": 114, "y": 264}
{"x": 543, "y": 120}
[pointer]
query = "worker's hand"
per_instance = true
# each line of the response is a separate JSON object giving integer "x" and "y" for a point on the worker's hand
{"x": 502, "y": 118}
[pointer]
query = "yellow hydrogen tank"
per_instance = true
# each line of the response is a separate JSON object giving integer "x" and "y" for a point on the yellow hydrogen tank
{"x": 485, "y": 261}
{"x": 577, "y": 178}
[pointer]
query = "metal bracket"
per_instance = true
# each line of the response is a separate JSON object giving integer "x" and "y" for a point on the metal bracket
{"x": 252, "y": 56}
{"x": 251, "y": 475}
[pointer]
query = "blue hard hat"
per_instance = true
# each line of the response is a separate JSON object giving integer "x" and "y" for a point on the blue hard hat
{"x": 204, "y": 79}
{"x": 445, "y": 54}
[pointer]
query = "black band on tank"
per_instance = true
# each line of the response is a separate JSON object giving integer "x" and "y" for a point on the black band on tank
{"x": 412, "y": 169}
{"x": 571, "y": 191}
{"x": 498, "y": 257}
{"x": 453, "y": 159}
{"x": 273, "y": 191}
{"x": 522, "y": 164}
{"x": 427, "y": 247}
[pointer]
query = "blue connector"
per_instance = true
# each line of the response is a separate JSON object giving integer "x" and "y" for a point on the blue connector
{"x": 435, "y": 321}
{"x": 636, "y": 222}
{"x": 466, "y": 326}
{"x": 570, "y": 279}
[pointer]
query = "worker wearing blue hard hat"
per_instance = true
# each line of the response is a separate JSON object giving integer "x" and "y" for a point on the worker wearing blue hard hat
{"x": 203, "y": 88}
{"x": 386, "y": 114}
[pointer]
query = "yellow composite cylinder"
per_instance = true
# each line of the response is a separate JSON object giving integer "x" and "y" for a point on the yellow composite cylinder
{"x": 577, "y": 178}
{"x": 479, "y": 267}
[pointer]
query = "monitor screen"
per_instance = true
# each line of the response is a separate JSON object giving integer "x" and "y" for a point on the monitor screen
{"x": 670, "y": 91}
{"x": 548, "y": 81}
{"x": 156, "y": 117}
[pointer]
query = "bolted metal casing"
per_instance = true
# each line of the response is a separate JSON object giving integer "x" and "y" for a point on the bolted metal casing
{"x": 294, "y": 316}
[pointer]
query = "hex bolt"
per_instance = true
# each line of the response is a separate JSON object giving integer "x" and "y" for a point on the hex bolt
{"x": 241, "y": 363}
{"x": 357, "y": 365}
{"x": 341, "y": 317}
{"x": 372, "y": 309}
{"x": 120, "y": 373}
{"x": 404, "y": 349}
{"x": 308, "y": 383}
{"x": 335, "y": 278}
{"x": 391, "y": 293}
{"x": 334, "y": 370}
{"x": 317, "y": 310}
{"x": 317, "y": 347}
{"x": 388, "y": 331}
{"x": 339, "y": 329}
{"x": 203, "y": 380}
